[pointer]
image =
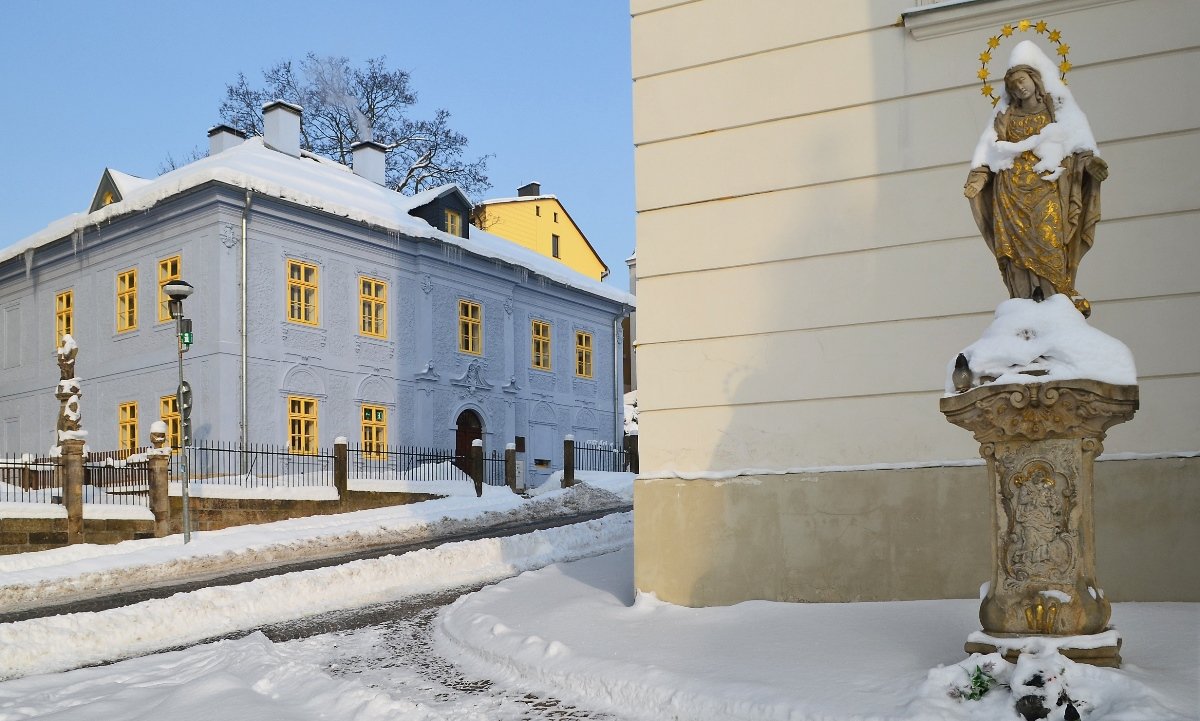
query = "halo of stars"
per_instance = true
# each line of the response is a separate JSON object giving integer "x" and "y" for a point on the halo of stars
{"x": 1024, "y": 26}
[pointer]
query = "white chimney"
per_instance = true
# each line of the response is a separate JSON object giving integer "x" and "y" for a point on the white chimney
{"x": 369, "y": 160}
{"x": 223, "y": 137}
{"x": 281, "y": 127}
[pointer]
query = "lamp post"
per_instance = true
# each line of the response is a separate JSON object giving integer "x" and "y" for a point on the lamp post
{"x": 177, "y": 291}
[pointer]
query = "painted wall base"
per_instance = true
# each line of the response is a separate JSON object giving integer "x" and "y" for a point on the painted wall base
{"x": 895, "y": 535}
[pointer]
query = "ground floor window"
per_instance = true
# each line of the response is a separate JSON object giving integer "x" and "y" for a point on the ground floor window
{"x": 302, "y": 424}
{"x": 127, "y": 426}
{"x": 374, "y": 430}
{"x": 168, "y": 410}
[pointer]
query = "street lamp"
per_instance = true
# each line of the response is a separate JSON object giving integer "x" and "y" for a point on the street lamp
{"x": 177, "y": 291}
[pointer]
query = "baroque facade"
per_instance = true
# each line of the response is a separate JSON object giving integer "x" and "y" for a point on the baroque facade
{"x": 371, "y": 315}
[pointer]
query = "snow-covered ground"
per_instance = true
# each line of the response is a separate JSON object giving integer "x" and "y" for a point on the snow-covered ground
{"x": 88, "y": 569}
{"x": 573, "y": 632}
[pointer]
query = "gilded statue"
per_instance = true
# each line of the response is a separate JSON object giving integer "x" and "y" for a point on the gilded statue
{"x": 1034, "y": 185}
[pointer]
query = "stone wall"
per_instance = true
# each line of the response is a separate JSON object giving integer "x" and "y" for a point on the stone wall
{"x": 212, "y": 514}
{"x": 19, "y": 535}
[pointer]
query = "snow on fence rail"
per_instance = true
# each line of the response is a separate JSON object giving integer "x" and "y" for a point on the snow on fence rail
{"x": 117, "y": 478}
{"x": 27, "y": 479}
{"x": 253, "y": 466}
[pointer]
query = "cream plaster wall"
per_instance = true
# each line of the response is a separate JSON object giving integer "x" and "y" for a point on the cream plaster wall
{"x": 807, "y": 265}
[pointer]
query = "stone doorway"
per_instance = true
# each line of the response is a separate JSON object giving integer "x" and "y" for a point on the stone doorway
{"x": 468, "y": 428}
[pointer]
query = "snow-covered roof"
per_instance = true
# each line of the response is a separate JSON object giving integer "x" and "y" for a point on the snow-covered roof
{"x": 317, "y": 183}
{"x": 518, "y": 199}
{"x": 125, "y": 182}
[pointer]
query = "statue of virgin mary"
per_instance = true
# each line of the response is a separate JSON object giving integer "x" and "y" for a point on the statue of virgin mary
{"x": 1034, "y": 185}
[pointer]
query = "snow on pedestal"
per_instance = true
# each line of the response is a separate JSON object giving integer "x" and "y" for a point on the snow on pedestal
{"x": 1043, "y": 389}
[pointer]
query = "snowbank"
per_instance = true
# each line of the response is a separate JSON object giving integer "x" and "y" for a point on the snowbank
{"x": 45, "y": 645}
{"x": 577, "y": 631}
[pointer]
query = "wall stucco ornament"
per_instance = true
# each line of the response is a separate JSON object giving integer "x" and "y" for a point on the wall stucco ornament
{"x": 1040, "y": 441}
{"x": 472, "y": 379}
{"x": 426, "y": 284}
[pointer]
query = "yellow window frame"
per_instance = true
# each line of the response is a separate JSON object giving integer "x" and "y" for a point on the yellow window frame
{"x": 127, "y": 300}
{"x": 168, "y": 411}
{"x": 303, "y": 292}
{"x": 470, "y": 323}
{"x": 372, "y": 303}
{"x": 453, "y": 222}
{"x": 374, "y": 430}
{"x": 302, "y": 424}
{"x": 168, "y": 270}
{"x": 583, "y": 354}
{"x": 64, "y": 315}
{"x": 539, "y": 332}
{"x": 127, "y": 426}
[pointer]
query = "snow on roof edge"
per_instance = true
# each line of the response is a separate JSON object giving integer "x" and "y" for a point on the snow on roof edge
{"x": 259, "y": 161}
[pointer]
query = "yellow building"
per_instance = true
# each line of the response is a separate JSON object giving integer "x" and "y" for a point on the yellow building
{"x": 540, "y": 223}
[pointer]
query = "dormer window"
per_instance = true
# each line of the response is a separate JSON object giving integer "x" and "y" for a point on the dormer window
{"x": 454, "y": 222}
{"x": 108, "y": 198}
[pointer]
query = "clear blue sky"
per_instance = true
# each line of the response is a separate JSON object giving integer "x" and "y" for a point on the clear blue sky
{"x": 543, "y": 85}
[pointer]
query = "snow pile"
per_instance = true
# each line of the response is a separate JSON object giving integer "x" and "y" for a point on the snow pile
{"x": 249, "y": 679}
{"x": 44, "y": 645}
{"x": 631, "y": 413}
{"x": 619, "y": 484}
{"x": 1069, "y": 133}
{"x": 1031, "y": 342}
{"x": 577, "y": 631}
{"x": 59, "y": 574}
{"x": 1042, "y": 682}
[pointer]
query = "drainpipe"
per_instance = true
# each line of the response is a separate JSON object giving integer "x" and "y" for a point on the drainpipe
{"x": 245, "y": 363}
{"x": 618, "y": 391}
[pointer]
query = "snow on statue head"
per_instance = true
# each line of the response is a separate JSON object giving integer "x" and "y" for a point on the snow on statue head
{"x": 1034, "y": 185}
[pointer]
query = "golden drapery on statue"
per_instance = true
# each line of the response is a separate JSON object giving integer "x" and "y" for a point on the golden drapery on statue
{"x": 1035, "y": 186}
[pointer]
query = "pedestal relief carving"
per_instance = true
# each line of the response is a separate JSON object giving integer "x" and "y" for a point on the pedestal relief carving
{"x": 1040, "y": 441}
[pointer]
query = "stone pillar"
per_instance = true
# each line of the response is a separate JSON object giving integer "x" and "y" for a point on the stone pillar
{"x": 1040, "y": 441}
{"x": 510, "y": 467}
{"x": 340, "y": 467}
{"x": 477, "y": 466}
{"x": 160, "y": 500}
{"x": 568, "y": 478}
{"x": 72, "y": 485}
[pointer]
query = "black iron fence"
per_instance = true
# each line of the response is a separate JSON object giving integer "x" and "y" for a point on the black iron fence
{"x": 600, "y": 457}
{"x": 28, "y": 479}
{"x": 117, "y": 478}
{"x": 252, "y": 466}
{"x": 404, "y": 463}
{"x": 493, "y": 469}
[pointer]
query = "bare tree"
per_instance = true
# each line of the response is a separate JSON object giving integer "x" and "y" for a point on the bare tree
{"x": 170, "y": 162}
{"x": 344, "y": 104}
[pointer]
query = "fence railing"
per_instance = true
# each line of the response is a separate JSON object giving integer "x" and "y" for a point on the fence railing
{"x": 404, "y": 463}
{"x": 493, "y": 469}
{"x": 600, "y": 458}
{"x": 117, "y": 478}
{"x": 27, "y": 479}
{"x": 252, "y": 466}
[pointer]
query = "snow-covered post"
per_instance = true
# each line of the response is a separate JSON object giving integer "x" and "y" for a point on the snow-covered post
{"x": 71, "y": 438}
{"x": 510, "y": 466}
{"x": 568, "y": 478}
{"x": 477, "y": 465}
{"x": 158, "y": 458}
{"x": 340, "y": 465}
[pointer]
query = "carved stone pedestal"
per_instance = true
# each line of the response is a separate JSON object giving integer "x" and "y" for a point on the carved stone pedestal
{"x": 1040, "y": 441}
